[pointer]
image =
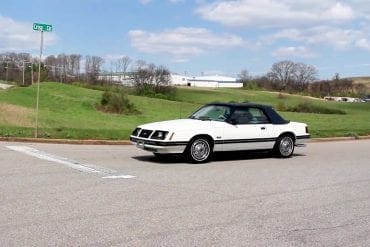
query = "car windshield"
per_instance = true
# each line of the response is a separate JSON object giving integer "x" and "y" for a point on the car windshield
{"x": 212, "y": 112}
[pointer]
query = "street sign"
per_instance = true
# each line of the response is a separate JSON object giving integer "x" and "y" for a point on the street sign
{"x": 42, "y": 27}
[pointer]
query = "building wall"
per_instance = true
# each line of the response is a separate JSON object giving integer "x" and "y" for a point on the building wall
{"x": 214, "y": 84}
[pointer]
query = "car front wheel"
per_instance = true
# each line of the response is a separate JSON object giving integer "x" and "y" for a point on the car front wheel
{"x": 284, "y": 146}
{"x": 199, "y": 150}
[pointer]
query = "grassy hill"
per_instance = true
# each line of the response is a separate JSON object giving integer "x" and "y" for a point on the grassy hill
{"x": 68, "y": 111}
{"x": 364, "y": 80}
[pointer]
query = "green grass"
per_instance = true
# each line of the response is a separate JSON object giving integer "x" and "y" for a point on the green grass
{"x": 68, "y": 111}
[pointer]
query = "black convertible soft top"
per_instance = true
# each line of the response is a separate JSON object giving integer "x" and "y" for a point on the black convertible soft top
{"x": 269, "y": 111}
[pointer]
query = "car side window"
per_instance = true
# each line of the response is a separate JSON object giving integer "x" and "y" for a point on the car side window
{"x": 241, "y": 116}
{"x": 249, "y": 116}
{"x": 258, "y": 116}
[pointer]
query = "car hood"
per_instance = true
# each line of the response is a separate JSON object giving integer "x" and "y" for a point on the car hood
{"x": 179, "y": 125}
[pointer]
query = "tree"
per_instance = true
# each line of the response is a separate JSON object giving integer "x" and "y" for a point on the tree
{"x": 75, "y": 60}
{"x": 304, "y": 74}
{"x": 244, "y": 76}
{"x": 92, "y": 68}
{"x": 287, "y": 75}
{"x": 123, "y": 64}
{"x": 151, "y": 80}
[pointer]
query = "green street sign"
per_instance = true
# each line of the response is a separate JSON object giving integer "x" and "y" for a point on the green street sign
{"x": 42, "y": 27}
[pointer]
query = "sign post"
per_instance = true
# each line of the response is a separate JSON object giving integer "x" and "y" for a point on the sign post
{"x": 41, "y": 28}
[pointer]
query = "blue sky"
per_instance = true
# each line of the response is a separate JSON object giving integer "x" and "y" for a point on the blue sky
{"x": 213, "y": 37}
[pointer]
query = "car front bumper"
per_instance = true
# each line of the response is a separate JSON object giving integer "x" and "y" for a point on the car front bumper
{"x": 156, "y": 146}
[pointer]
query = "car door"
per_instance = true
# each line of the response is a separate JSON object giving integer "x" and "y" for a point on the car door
{"x": 249, "y": 128}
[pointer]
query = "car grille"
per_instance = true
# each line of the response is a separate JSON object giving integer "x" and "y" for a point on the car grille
{"x": 145, "y": 133}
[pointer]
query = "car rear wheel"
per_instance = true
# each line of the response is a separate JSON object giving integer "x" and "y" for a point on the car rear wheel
{"x": 284, "y": 146}
{"x": 199, "y": 150}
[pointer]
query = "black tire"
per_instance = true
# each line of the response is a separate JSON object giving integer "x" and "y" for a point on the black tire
{"x": 199, "y": 150}
{"x": 160, "y": 156}
{"x": 284, "y": 146}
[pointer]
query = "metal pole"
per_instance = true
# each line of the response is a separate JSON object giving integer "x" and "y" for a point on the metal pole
{"x": 31, "y": 73}
{"x": 38, "y": 85}
{"x": 6, "y": 74}
{"x": 60, "y": 75}
{"x": 23, "y": 73}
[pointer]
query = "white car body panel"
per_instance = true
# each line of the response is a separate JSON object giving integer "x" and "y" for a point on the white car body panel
{"x": 227, "y": 137}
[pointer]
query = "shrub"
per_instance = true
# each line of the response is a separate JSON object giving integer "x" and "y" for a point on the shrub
{"x": 116, "y": 101}
{"x": 281, "y": 106}
{"x": 281, "y": 96}
{"x": 153, "y": 81}
{"x": 308, "y": 107}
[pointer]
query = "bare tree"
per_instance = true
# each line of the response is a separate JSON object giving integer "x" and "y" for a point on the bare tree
{"x": 123, "y": 64}
{"x": 92, "y": 68}
{"x": 304, "y": 74}
{"x": 244, "y": 75}
{"x": 282, "y": 73}
{"x": 152, "y": 79}
{"x": 75, "y": 60}
{"x": 140, "y": 64}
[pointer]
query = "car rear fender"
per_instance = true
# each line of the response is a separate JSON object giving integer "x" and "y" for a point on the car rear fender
{"x": 288, "y": 133}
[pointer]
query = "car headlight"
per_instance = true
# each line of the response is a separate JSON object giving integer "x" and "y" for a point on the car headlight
{"x": 136, "y": 132}
{"x": 159, "y": 135}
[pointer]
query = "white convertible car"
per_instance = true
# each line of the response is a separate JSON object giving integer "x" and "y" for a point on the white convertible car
{"x": 222, "y": 127}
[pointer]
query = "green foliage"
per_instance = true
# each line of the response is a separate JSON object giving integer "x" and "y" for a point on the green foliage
{"x": 168, "y": 93}
{"x": 308, "y": 107}
{"x": 250, "y": 85}
{"x": 155, "y": 82}
{"x": 116, "y": 101}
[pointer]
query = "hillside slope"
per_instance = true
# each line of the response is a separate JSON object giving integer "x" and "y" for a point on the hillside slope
{"x": 68, "y": 111}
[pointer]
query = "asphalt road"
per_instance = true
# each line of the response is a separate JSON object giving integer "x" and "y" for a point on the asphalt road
{"x": 79, "y": 195}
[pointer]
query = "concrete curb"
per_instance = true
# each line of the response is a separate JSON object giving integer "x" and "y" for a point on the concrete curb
{"x": 333, "y": 139}
{"x": 126, "y": 142}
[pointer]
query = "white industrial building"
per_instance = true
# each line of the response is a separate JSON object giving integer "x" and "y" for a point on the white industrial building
{"x": 213, "y": 81}
{"x": 117, "y": 78}
{"x": 206, "y": 81}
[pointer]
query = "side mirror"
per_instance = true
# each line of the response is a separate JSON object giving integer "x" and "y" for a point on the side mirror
{"x": 233, "y": 121}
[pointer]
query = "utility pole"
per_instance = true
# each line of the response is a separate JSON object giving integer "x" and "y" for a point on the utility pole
{"x": 23, "y": 64}
{"x": 31, "y": 73}
{"x": 6, "y": 73}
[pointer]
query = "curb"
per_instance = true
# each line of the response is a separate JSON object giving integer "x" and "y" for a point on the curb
{"x": 333, "y": 139}
{"x": 127, "y": 142}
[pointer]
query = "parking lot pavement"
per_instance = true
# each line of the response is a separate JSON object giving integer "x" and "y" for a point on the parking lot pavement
{"x": 120, "y": 196}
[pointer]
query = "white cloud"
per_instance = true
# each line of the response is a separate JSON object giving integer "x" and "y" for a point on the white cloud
{"x": 340, "y": 12}
{"x": 177, "y": 1}
{"x": 182, "y": 43}
{"x": 335, "y": 37}
{"x": 19, "y": 36}
{"x": 273, "y": 13}
{"x": 363, "y": 43}
{"x": 145, "y": 2}
{"x": 294, "y": 51}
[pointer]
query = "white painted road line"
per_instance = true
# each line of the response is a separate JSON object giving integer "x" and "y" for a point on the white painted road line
{"x": 119, "y": 176}
{"x": 65, "y": 161}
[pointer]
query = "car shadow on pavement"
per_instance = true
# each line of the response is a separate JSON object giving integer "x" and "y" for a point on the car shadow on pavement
{"x": 217, "y": 157}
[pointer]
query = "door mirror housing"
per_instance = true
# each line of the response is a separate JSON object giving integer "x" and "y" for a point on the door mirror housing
{"x": 233, "y": 121}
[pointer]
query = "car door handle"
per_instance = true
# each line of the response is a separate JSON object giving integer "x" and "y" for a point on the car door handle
{"x": 263, "y": 128}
